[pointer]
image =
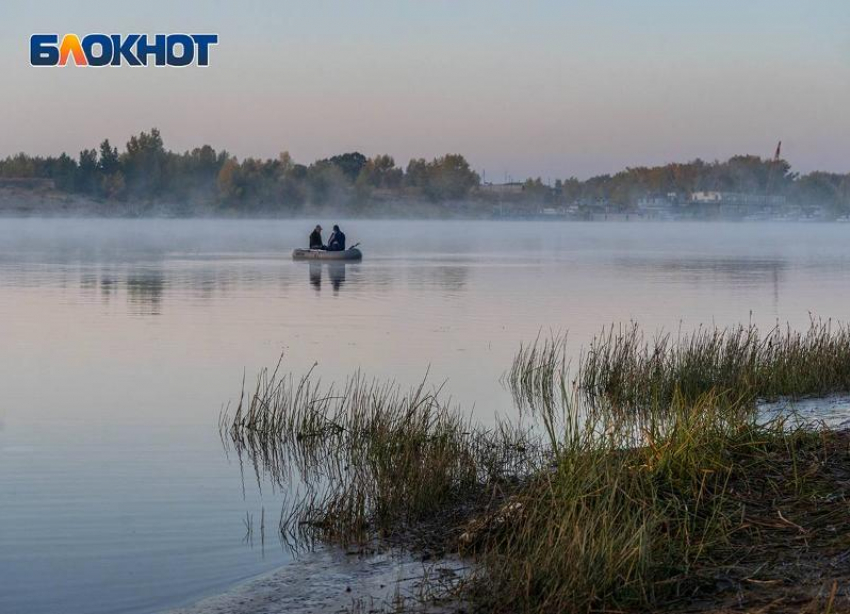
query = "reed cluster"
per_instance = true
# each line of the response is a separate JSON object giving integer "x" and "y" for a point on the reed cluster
{"x": 369, "y": 457}
{"x": 633, "y": 508}
{"x": 629, "y": 370}
{"x": 537, "y": 377}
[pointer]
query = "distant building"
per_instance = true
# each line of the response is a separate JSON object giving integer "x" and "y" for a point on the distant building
{"x": 654, "y": 202}
{"x": 656, "y": 206}
{"x": 738, "y": 199}
{"x": 733, "y": 204}
{"x": 706, "y": 197}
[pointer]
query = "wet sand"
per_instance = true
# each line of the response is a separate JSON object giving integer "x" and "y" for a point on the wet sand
{"x": 331, "y": 581}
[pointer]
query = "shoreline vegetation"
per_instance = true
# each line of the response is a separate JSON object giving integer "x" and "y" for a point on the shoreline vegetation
{"x": 646, "y": 479}
{"x": 147, "y": 180}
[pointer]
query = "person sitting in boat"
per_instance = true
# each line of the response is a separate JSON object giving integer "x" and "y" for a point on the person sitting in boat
{"x": 336, "y": 242}
{"x": 316, "y": 238}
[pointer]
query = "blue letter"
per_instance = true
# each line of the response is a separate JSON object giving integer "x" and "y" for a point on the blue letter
{"x": 43, "y": 50}
{"x": 123, "y": 49}
{"x": 185, "y": 58}
{"x": 105, "y": 43}
{"x": 204, "y": 41}
{"x": 144, "y": 48}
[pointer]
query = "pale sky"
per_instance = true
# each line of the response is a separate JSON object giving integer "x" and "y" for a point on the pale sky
{"x": 525, "y": 88}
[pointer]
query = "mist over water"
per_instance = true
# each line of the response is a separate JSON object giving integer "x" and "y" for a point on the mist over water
{"x": 123, "y": 339}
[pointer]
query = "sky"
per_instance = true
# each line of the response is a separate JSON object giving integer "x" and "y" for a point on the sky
{"x": 522, "y": 89}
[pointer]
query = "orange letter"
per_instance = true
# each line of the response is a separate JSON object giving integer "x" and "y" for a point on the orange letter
{"x": 71, "y": 44}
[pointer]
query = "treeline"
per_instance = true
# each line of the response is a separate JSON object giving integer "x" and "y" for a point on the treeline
{"x": 145, "y": 171}
{"x": 744, "y": 174}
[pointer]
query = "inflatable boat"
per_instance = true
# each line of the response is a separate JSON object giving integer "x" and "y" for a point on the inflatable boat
{"x": 352, "y": 253}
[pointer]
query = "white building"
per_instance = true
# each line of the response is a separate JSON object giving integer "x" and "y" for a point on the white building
{"x": 706, "y": 197}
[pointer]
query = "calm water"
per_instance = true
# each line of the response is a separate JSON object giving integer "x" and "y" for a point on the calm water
{"x": 122, "y": 339}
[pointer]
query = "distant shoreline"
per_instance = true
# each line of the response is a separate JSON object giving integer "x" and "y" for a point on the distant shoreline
{"x": 148, "y": 180}
{"x": 18, "y": 203}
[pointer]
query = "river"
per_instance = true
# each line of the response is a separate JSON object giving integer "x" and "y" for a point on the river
{"x": 123, "y": 339}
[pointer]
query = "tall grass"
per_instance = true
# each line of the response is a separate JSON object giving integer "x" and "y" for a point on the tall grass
{"x": 626, "y": 369}
{"x": 536, "y": 377}
{"x": 370, "y": 456}
{"x": 644, "y": 507}
{"x": 629, "y": 508}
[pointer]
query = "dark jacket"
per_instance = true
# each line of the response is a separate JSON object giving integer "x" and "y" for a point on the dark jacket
{"x": 336, "y": 243}
{"x": 316, "y": 240}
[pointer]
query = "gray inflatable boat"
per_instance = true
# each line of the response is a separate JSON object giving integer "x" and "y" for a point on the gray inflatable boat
{"x": 352, "y": 253}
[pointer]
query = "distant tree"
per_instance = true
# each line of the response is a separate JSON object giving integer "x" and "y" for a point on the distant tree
{"x": 108, "y": 162}
{"x": 844, "y": 195}
{"x": 327, "y": 183}
{"x": 229, "y": 181}
{"x": 447, "y": 178}
{"x": 571, "y": 190}
{"x": 452, "y": 177}
{"x": 416, "y": 175}
{"x": 87, "y": 180}
{"x": 144, "y": 161}
{"x": 20, "y": 166}
{"x": 350, "y": 164}
{"x": 205, "y": 157}
{"x": 380, "y": 172}
{"x": 63, "y": 170}
{"x": 535, "y": 191}
{"x": 286, "y": 162}
{"x": 821, "y": 189}
{"x": 113, "y": 186}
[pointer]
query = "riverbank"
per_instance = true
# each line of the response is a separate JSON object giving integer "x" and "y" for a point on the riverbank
{"x": 770, "y": 536}
{"x": 691, "y": 502}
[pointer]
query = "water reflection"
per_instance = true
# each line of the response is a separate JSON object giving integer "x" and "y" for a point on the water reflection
{"x": 335, "y": 271}
{"x": 108, "y": 286}
{"x": 145, "y": 289}
{"x": 698, "y": 268}
{"x": 316, "y": 275}
{"x": 724, "y": 270}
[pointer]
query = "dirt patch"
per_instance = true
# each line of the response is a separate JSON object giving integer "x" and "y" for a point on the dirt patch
{"x": 791, "y": 550}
